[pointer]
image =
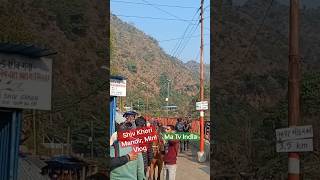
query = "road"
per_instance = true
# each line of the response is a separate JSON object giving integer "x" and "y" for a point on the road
{"x": 189, "y": 169}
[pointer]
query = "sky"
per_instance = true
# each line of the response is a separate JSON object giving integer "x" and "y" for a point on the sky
{"x": 168, "y": 21}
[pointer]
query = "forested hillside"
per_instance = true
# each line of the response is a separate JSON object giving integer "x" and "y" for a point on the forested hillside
{"x": 249, "y": 87}
{"x": 76, "y": 30}
{"x": 140, "y": 59}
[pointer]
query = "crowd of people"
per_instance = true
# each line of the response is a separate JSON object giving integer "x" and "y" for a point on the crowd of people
{"x": 129, "y": 165}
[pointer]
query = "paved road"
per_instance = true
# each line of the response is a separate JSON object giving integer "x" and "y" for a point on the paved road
{"x": 189, "y": 169}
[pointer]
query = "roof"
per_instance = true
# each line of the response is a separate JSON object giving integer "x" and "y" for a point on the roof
{"x": 65, "y": 161}
{"x": 129, "y": 113}
{"x": 25, "y": 50}
{"x": 117, "y": 77}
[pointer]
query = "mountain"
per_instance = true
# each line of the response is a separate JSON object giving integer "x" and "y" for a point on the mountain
{"x": 76, "y": 31}
{"x": 250, "y": 87}
{"x": 140, "y": 59}
{"x": 195, "y": 67}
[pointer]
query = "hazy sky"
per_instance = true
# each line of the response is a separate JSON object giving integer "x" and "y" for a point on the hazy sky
{"x": 159, "y": 20}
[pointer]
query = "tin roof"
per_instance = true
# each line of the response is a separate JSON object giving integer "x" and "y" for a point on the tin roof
{"x": 65, "y": 161}
{"x": 118, "y": 77}
{"x": 25, "y": 50}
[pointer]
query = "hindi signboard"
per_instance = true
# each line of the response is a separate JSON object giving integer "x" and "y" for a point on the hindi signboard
{"x": 118, "y": 87}
{"x": 202, "y": 105}
{"x": 297, "y": 145}
{"x": 298, "y": 132}
{"x": 25, "y": 83}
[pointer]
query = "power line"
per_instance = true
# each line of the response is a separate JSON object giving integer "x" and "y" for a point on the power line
{"x": 187, "y": 42}
{"x": 164, "y": 40}
{"x": 256, "y": 34}
{"x": 183, "y": 47}
{"x": 258, "y": 30}
{"x": 173, "y": 39}
{"x": 206, "y": 7}
{"x": 198, "y": 54}
{"x": 99, "y": 88}
{"x": 165, "y": 5}
{"x": 161, "y": 9}
{"x": 184, "y": 34}
{"x": 158, "y": 18}
{"x": 182, "y": 42}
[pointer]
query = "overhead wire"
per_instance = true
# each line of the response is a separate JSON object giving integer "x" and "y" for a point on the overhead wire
{"x": 206, "y": 7}
{"x": 184, "y": 41}
{"x": 159, "y": 18}
{"x": 161, "y": 9}
{"x": 170, "y": 15}
{"x": 164, "y": 5}
{"x": 168, "y": 40}
{"x": 248, "y": 49}
{"x": 184, "y": 34}
{"x": 173, "y": 39}
{"x": 188, "y": 39}
{"x": 180, "y": 52}
{"x": 258, "y": 30}
{"x": 184, "y": 37}
{"x": 82, "y": 98}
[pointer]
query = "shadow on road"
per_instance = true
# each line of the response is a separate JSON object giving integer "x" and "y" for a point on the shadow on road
{"x": 206, "y": 169}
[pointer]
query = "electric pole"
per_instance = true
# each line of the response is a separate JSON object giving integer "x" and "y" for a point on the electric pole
{"x": 91, "y": 138}
{"x": 92, "y": 134}
{"x": 147, "y": 103}
{"x": 35, "y": 148}
{"x": 294, "y": 85}
{"x": 168, "y": 94}
{"x": 201, "y": 153}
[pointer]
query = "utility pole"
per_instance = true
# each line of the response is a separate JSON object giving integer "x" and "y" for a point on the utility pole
{"x": 92, "y": 134}
{"x": 201, "y": 153}
{"x": 147, "y": 103}
{"x": 91, "y": 139}
{"x": 34, "y": 132}
{"x": 219, "y": 15}
{"x": 168, "y": 94}
{"x": 294, "y": 85}
{"x": 68, "y": 140}
{"x": 146, "y": 107}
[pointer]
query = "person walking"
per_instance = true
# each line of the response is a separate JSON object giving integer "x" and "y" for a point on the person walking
{"x": 119, "y": 161}
{"x": 134, "y": 168}
{"x": 186, "y": 128}
{"x": 180, "y": 129}
{"x": 130, "y": 118}
{"x": 148, "y": 155}
{"x": 170, "y": 157}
